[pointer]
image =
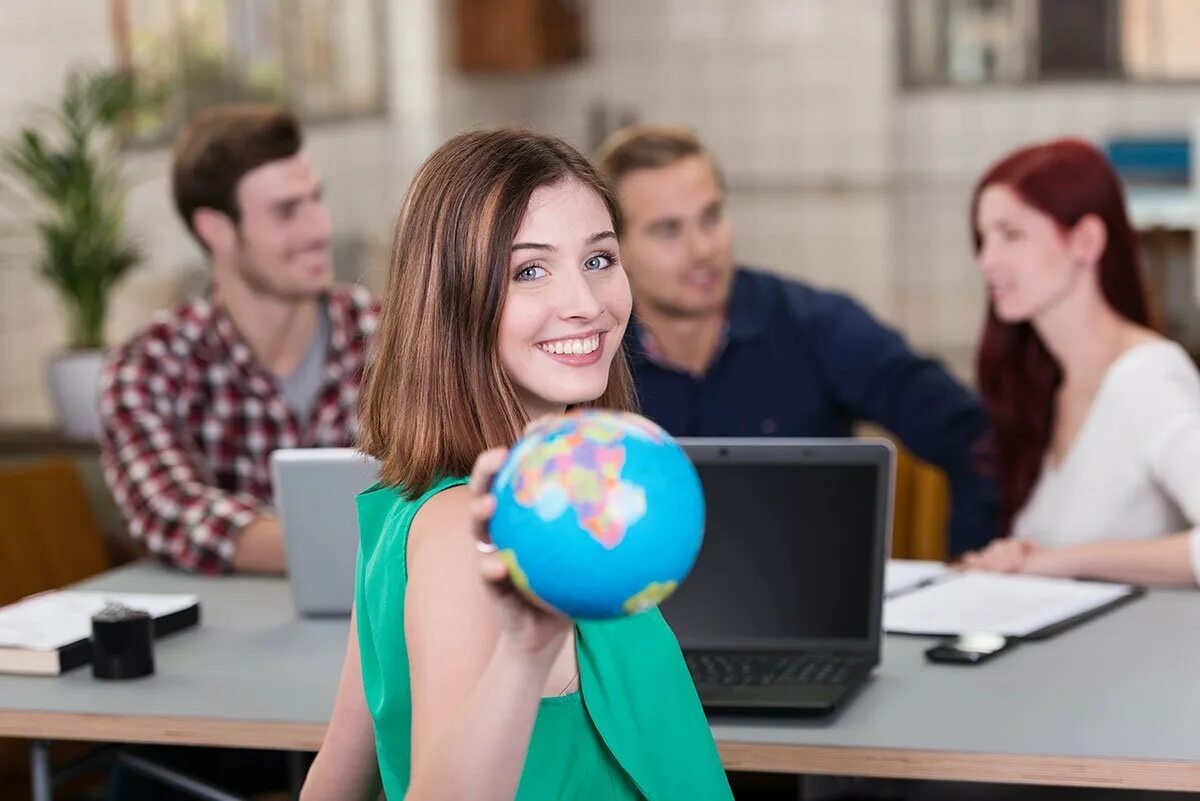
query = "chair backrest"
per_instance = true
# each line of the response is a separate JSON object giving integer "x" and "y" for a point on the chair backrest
{"x": 922, "y": 509}
{"x": 49, "y": 537}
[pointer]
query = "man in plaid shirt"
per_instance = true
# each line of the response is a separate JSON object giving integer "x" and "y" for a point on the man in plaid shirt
{"x": 271, "y": 358}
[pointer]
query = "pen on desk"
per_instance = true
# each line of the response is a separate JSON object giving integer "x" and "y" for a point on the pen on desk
{"x": 925, "y": 582}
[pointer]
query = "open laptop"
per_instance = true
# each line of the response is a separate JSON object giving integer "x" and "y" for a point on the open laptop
{"x": 314, "y": 496}
{"x": 782, "y": 611}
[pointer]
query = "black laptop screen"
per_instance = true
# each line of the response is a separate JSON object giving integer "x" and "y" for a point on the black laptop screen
{"x": 789, "y": 552}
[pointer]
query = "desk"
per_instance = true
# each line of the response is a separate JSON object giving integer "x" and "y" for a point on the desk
{"x": 1114, "y": 703}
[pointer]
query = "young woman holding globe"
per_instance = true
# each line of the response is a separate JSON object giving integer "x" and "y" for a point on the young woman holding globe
{"x": 506, "y": 302}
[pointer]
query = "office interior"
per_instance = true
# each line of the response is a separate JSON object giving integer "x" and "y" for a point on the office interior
{"x": 850, "y": 134}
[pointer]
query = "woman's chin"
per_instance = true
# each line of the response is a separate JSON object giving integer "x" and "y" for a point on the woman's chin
{"x": 1010, "y": 313}
{"x": 583, "y": 392}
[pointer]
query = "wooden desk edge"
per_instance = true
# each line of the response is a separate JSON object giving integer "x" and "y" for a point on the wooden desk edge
{"x": 161, "y": 730}
{"x": 903, "y": 763}
{"x": 895, "y": 763}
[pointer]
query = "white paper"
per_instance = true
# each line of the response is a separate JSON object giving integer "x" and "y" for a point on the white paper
{"x": 51, "y": 620}
{"x": 902, "y": 575}
{"x": 1010, "y": 604}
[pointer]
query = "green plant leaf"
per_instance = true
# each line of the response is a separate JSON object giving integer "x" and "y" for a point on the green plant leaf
{"x": 70, "y": 170}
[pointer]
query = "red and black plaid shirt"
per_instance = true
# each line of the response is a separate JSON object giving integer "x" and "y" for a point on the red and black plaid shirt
{"x": 190, "y": 419}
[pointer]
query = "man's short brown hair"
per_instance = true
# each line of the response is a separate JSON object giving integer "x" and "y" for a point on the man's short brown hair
{"x": 220, "y": 145}
{"x": 643, "y": 147}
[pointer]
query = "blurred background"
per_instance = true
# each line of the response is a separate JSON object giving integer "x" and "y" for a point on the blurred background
{"x": 850, "y": 131}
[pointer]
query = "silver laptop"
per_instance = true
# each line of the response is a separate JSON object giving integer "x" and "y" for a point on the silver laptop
{"x": 314, "y": 496}
{"x": 782, "y": 611}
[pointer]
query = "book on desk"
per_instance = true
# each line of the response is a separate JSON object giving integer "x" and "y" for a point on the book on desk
{"x": 933, "y": 600}
{"x": 49, "y": 633}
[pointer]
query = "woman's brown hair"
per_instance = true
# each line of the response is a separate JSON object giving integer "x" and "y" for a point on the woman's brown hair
{"x": 435, "y": 394}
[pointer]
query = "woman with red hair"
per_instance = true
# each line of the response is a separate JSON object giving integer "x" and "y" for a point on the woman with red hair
{"x": 1095, "y": 417}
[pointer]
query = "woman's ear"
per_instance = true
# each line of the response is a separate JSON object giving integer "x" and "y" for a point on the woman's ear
{"x": 1087, "y": 240}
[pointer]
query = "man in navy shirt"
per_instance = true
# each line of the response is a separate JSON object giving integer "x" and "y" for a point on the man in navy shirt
{"x": 721, "y": 350}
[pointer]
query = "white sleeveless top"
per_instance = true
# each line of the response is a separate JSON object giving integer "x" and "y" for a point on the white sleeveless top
{"x": 1133, "y": 472}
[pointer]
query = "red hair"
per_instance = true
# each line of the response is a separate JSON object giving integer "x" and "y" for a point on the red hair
{"x": 1066, "y": 179}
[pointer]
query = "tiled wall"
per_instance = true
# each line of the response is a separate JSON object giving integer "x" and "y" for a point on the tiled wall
{"x": 795, "y": 98}
{"x": 38, "y": 43}
{"x": 835, "y": 174}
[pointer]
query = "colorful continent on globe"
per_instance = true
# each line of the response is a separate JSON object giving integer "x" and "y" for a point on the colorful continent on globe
{"x": 654, "y": 593}
{"x": 581, "y": 469}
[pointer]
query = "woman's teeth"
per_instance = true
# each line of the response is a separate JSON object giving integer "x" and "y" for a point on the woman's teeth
{"x": 578, "y": 346}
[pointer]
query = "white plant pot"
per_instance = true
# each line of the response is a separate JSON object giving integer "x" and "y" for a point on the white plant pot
{"x": 75, "y": 391}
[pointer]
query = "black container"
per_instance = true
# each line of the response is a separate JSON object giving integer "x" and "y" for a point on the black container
{"x": 122, "y": 643}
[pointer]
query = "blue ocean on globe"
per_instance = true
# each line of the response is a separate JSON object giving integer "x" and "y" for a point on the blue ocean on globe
{"x": 599, "y": 514}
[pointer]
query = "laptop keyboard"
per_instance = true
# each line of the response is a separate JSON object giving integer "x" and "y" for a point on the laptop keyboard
{"x": 742, "y": 670}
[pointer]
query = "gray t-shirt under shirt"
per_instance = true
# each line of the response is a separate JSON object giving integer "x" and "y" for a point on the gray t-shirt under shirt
{"x": 301, "y": 388}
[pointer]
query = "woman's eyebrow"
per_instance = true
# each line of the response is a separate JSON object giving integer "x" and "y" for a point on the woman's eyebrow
{"x": 591, "y": 240}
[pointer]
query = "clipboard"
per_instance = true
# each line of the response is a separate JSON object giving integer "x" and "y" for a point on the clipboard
{"x": 1046, "y": 632}
{"x": 1019, "y": 606}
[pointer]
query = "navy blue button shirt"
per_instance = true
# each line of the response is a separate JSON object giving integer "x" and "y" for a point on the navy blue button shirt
{"x": 801, "y": 362}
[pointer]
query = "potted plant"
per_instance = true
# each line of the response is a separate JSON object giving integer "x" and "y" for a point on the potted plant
{"x": 68, "y": 177}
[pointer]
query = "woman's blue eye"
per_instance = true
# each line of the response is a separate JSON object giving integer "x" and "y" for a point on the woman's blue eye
{"x": 530, "y": 273}
{"x": 597, "y": 263}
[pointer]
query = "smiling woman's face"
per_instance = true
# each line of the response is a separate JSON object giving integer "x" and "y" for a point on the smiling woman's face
{"x": 568, "y": 300}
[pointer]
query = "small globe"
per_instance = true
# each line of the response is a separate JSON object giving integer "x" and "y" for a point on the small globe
{"x": 599, "y": 514}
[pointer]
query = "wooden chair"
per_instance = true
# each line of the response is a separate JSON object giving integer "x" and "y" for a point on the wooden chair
{"x": 921, "y": 514}
{"x": 49, "y": 539}
{"x": 922, "y": 509}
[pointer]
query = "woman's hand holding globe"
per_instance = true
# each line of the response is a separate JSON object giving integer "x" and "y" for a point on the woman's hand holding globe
{"x": 596, "y": 514}
{"x": 528, "y": 628}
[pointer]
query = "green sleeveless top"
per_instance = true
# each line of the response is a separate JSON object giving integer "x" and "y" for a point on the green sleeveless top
{"x": 635, "y": 730}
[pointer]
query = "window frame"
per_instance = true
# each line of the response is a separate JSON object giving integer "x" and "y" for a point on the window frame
{"x": 121, "y": 32}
